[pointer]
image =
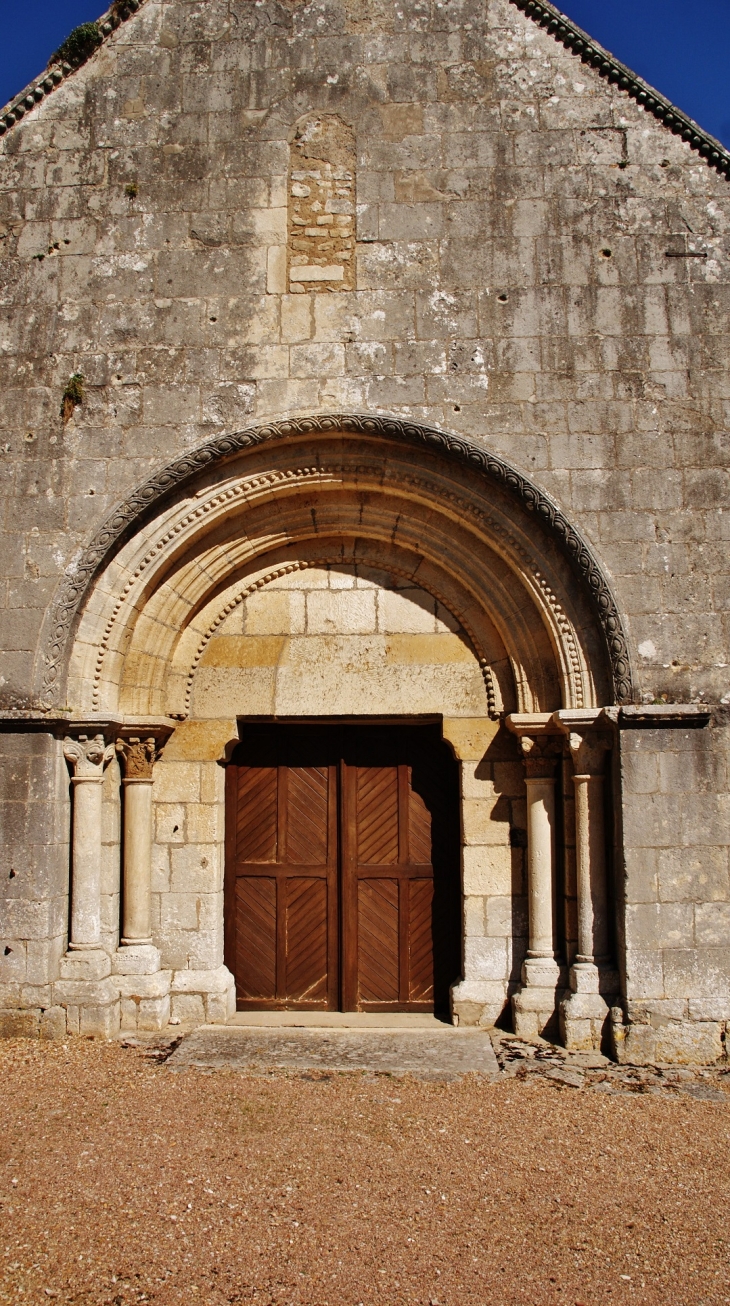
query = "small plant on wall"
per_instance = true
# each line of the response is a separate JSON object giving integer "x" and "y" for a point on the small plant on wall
{"x": 72, "y": 395}
{"x": 79, "y": 44}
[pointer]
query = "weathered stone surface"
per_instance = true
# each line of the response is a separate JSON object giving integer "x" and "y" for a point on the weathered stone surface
{"x": 218, "y": 224}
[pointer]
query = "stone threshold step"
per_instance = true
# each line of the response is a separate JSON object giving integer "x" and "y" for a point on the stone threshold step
{"x": 357, "y": 1020}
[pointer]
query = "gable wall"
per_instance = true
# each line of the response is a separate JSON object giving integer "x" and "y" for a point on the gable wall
{"x": 488, "y": 165}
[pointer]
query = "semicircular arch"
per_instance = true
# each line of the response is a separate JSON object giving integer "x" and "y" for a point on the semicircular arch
{"x": 487, "y": 542}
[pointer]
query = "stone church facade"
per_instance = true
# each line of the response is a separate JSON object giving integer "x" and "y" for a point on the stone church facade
{"x": 365, "y": 439}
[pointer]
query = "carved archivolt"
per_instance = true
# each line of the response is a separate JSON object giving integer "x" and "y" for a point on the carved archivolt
{"x": 522, "y": 534}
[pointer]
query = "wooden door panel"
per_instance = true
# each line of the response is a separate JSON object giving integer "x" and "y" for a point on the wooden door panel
{"x": 256, "y": 814}
{"x": 307, "y": 801}
{"x": 342, "y": 868}
{"x": 419, "y": 825}
{"x": 377, "y": 940}
{"x": 420, "y": 940}
{"x": 306, "y": 940}
{"x": 282, "y": 835}
{"x": 255, "y": 957}
{"x": 376, "y": 815}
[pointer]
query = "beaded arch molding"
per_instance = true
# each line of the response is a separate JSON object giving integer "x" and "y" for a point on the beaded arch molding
{"x": 464, "y": 452}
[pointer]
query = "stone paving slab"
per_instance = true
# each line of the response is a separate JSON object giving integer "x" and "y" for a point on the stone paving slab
{"x": 440, "y": 1056}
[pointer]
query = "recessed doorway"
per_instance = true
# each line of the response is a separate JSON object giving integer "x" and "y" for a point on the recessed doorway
{"x": 342, "y": 868}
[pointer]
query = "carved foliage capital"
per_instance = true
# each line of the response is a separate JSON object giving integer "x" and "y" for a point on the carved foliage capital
{"x": 540, "y": 754}
{"x": 588, "y": 749}
{"x": 138, "y": 756}
{"x": 87, "y": 756}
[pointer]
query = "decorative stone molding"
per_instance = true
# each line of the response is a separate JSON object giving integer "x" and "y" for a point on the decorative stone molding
{"x": 138, "y": 756}
{"x": 247, "y": 488}
{"x": 54, "y": 75}
{"x": 87, "y": 756}
{"x": 594, "y": 984}
{"x": 591, "y": 53}
{"x": 540, "y": 755}
{"x": 535, "y": 1005}
{"x": 464, "y": 452}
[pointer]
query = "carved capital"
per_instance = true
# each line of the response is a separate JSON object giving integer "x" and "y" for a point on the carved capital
{"x": 588, "y": 749}
{"x": 540, "y": 754}
{"x": 87, "y": 756}
{"x": 138, "y": 756}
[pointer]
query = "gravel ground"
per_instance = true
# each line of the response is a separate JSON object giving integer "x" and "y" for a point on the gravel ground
{"x": 123, "y": 1182}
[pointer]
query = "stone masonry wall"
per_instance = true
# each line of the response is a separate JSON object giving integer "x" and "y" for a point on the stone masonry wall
{"x": 676, "y": 826}
{"x": 537, "y": 263}
{"x": 514, "y": 214}
{"x": 34, "y": 833}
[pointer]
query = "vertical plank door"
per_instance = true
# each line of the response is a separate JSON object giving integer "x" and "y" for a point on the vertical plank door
{"x": 281, "y": 871}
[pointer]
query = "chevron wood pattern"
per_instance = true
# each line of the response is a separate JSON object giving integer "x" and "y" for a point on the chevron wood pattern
{"x": 420, "y": 940}
{"x": 255, "y": 937}
{"x": 306, "y": 940}
{"x": 256, "y": 814}
{"x": 306, "y": 815}
{"x": 342, "y": 868}
{"x": 419, "y": 827}
{"x": 377, "y": 928}
{"x": 377, "y": 815}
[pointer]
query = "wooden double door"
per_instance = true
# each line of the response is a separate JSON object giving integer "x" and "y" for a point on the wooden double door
{"x": 342, "y": 868}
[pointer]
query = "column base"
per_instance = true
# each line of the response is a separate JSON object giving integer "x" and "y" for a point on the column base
{"x": 136, "y": 959}
{"x": 584, "y": 1014}
{"x": 144, "y": 989}
{"x": 535, "y": 1004}
{"x": 88, "y": 993}
{"x": 202, "y": 997}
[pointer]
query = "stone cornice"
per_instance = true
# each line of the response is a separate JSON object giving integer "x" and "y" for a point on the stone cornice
{"x": 475, "y": 458}
{"x": 55, "y": 74}
{"x": 590, "y": 52}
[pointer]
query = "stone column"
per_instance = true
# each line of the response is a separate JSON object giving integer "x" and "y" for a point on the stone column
{"x": 593, "y": 982}
{"x": 534, "y": 1006}
{"x": 144, "y": 988}
{"x": 87, "y": 759}
{"x": 84, "y": 988}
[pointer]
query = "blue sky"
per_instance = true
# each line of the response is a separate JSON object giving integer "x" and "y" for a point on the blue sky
{"x": 679, "y": 48}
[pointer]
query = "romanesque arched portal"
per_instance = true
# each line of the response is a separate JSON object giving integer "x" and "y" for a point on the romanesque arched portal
{"x": 347, "y": 569}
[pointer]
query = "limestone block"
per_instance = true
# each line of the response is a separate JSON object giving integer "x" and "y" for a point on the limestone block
{"x": 674, "y": 1043}
{"x": 487, "y": 870}
{"x": 470, "y": 737}
{"x": 87, "y": 964}
{"x": 187, "y": 1008}
{"x": 341, "y": 613}
{"x": 198, "y": 741}
{"x": 176, "y": 782}
{"x": 484, "y": 822}
{"x": 153, "y": 1013}
{"x": 100, "y": 1021}
{"x": 81, "y": 993}
{"x": 202, "y": 981}
{"x": 15, "y": 1023}
{"x": 275, "y": 612}
{"x": 478, "y": 1002}
{"x": 138, "y": 987}
{"x": 406, "y": 611}
{"x": 52, "y": 1024}
{"x": 136, "y": 959}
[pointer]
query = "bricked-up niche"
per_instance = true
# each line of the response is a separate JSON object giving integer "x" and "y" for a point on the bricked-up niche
{"x": 321, "y": 220}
